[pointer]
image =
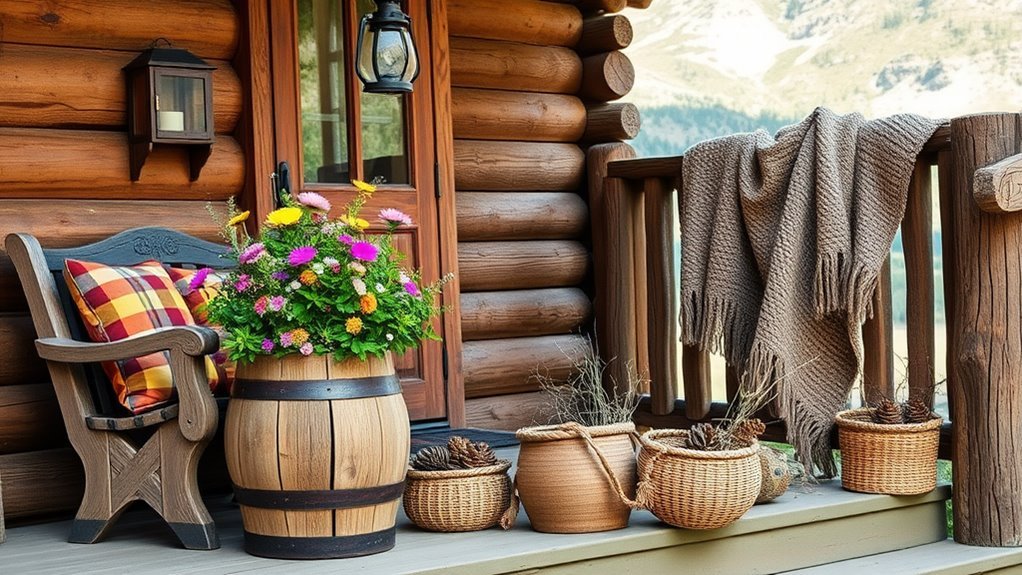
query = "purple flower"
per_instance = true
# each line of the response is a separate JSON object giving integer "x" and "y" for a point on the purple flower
{"x": 412, "y": 289}
{"x": 252, "y": 253}
{"x": 199, "y": 279}
{"x": 277, "y": 302}
{"x": 346, "y": 239}
{"x": 243, "y": 283}
{"x": 314, "y": 201}
{"x": 306, "y": 348}
{"x": 285, "y": 339}
{"x": 280, "y": 276}
{"x": 268, "y": 345}
{"x": 364, "y": 251}
{"x": 301, "y": 256}
{"x": 396, "y": 217}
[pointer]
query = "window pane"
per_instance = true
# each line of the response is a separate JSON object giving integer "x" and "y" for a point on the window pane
{"x": 384, "y": 151}
{"x": 321, "y": 74}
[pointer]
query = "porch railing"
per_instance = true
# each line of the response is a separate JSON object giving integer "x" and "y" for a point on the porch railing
{"x": 634, "y": 211}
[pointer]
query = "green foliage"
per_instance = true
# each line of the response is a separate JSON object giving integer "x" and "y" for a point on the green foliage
{"x": 316, "y": 285}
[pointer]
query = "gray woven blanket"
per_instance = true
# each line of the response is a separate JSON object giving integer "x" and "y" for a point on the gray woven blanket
{"x": 782, "y": 242}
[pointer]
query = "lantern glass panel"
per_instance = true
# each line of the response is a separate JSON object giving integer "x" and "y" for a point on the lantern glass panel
{"x": 181, "y": 104}
{"x": 391, "y": 54}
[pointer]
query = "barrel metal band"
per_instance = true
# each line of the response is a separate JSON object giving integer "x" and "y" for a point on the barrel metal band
{"x": 316, "y": 389}
{"x": 319, "y": 547}
{"x": 318, "y": 499}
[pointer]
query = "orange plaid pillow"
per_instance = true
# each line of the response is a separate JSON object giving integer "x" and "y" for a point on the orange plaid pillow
{"x": 197, "y": 287}
{"x": 119, "y": 302}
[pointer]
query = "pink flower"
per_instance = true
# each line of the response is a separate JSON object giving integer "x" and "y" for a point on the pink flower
{"x": 285, "y": 339}
{"x": 301, "y": 256}
{"x": 277, "y": 302}
{"x": 268, "y": 345}
{"x": 199, "y": 279}
{"x": 318, "y": 217}
{"x": 396, "y": 217}
{"x": 243, "y": 283}
{"x": 306, "y": 348}
{"x": 346, "y": 239}
{"x": 364, "y": 251}
{"x": 314, "y": 201}
{"x": 260, "y": 305}
{"x": 252, "y": 253}
{"x": 412, "y": 289}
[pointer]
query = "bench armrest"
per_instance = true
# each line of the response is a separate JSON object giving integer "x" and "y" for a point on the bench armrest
{"x": 188, "y": 347}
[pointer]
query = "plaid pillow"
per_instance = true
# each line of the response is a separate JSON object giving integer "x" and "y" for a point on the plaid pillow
{"x": 119, "y": 302}
{"x": 197, "y": 287}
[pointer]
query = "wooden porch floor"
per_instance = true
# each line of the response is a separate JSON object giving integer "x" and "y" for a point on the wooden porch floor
{"x": 859, "y": 524}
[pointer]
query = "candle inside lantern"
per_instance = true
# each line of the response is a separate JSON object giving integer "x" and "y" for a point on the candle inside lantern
{"x": 170, "y": 121}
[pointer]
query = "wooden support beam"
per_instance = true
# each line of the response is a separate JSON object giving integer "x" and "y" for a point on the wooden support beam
{"x": 998, "y": 187}
{"x": 524, "y": 21}
{"x": 495, "y": 216}
{"x": 520, "y": 116}
{"x": 917, "y": 240}
{"x": 512, "y": 166}
{"x": 610, "y": 122}
{"x": 523, "y": 313}
{"x": 497, "y": 65}
{"x": 604, "y": 34}
{"x": 503, "y": 366}
{"x": 488, "y": 266}
{"x": 877, "y": 340}
{"x": 509, "y": 412}
{"x": 595, "y": 6}
{"x": 661, "y": 327}
{"x": 986, "y": 381}
{"x": 30, "y": 419}
{"x": 945, "y": 179}
{"x": 41, "y": 482}
{"x": 606, "y": 76}
{"x": 641, "y": 4}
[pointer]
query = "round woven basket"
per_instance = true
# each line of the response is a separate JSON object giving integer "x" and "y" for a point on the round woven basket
{"x": 458, "y": 499}
{"x": 576, "y": 479}
{"x": 693, "y": 488}
{"x": 891, "y": 459}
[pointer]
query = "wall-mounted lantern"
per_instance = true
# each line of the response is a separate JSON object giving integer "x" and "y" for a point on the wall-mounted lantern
{"x": 170, "y": 101}
{"x": 386, "y": 60}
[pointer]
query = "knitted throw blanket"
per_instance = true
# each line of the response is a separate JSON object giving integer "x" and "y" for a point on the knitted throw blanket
{"x": 782, "y": 242}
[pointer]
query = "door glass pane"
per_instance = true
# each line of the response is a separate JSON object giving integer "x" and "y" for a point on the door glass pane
{"x": 321, "y": 75}
{"x": 384, "y": 152}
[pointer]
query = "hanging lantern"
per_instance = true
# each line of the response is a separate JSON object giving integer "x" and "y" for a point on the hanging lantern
{"x": 386, "y": 61}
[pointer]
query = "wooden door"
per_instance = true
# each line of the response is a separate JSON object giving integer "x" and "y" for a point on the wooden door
{"x": 330, "y": 133}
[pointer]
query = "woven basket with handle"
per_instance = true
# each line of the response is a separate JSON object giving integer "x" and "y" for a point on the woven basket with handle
{"x": 693, "y": 488}
{"x": 458, "y": 499}
{"x": 899, "y": 459}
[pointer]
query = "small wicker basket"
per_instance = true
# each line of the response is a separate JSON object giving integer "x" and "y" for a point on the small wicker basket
{"x": 458, "y": 499}
{"x": 896, "y": 459}
{"x": 692, "y": 488}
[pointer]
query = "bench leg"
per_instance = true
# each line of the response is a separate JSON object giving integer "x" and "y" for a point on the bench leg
{"x": 183, "y": 508}
{"x": 98, "y": 512}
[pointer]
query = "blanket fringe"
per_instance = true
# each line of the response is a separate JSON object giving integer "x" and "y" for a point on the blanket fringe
{"x": 715, "y": 325}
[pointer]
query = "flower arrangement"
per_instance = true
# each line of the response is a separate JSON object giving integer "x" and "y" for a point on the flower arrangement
{"x": 314, "y": 285}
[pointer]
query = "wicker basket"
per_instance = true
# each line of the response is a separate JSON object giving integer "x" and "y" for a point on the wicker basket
{"x": 692, "y": 488}
{"x": 891, "y": 459}
{"x": 459, "y": 499}
{"x": 576, "y": 479}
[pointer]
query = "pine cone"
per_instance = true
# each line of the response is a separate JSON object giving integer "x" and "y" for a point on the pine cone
{"x": 432, "y": 458}
{"x": 747, "y": 431}
{"x": 888, "y": 412}
{"x": 916, "y": 411}
{"x": 703, "y": 436}
{"x": 469, "y": 454}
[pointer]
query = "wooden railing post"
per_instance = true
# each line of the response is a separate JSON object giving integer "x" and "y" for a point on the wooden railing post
{"x": 986, "y": 376}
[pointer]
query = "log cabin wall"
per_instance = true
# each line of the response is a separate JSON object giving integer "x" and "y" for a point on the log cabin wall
{"x": 65, "y": 178}
{"x": 530, "y": 86}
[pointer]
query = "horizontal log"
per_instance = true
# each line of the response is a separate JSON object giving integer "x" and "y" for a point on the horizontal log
{"x": 523, "y": 313}
{"x": 524, "y": 21}
{"x": 21, "y": 363}
{"x": 606, "y": 76}
{"x": 490, "y": 165}
{"x": 997, "y": 188}
{"x": 39, "y": 483}
{"x": 641, "y": 4}
{"x": 488, "y": 216}
{"x": 59, "y": 224}
{"x": 486, "y": 266}
{"x": 605, "y": 34}
{"x": 207, "y": 28}
{"x": 611, "y": 122}
{"x": 509, "y": 412}
{"x": 522, "y": 116}
{"x": 502, "y": 366}
{"x": 493, "y": 64}
{"x": 78, "y": 164}
{"x": 30, "y": 419}
{"x": 90, "y": 91}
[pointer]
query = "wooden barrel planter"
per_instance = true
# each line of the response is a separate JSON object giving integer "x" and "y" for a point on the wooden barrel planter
{"x": 317, "y": 451}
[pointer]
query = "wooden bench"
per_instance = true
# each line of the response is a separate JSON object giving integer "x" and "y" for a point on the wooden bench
{"x": 151, "y": 457}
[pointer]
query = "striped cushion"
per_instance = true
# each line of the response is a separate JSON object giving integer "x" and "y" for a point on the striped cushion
{"x": 196, "y": 300}
{"x": 119, "y": 302}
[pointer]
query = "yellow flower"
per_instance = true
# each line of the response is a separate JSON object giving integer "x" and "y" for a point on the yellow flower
{"x": 299, "y": 336}
{"x": 308, "y": 277}
{"x": 238, "y": 218}
{"x": 353, "y": 325}
{"x": 284, "y": 216}
{"x": 355, "y": 222}
{"x": 367, "y": 303}
{"x": 364, "y": 187}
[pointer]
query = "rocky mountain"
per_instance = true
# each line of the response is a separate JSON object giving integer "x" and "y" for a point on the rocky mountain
{"x": 710, "y": 67}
